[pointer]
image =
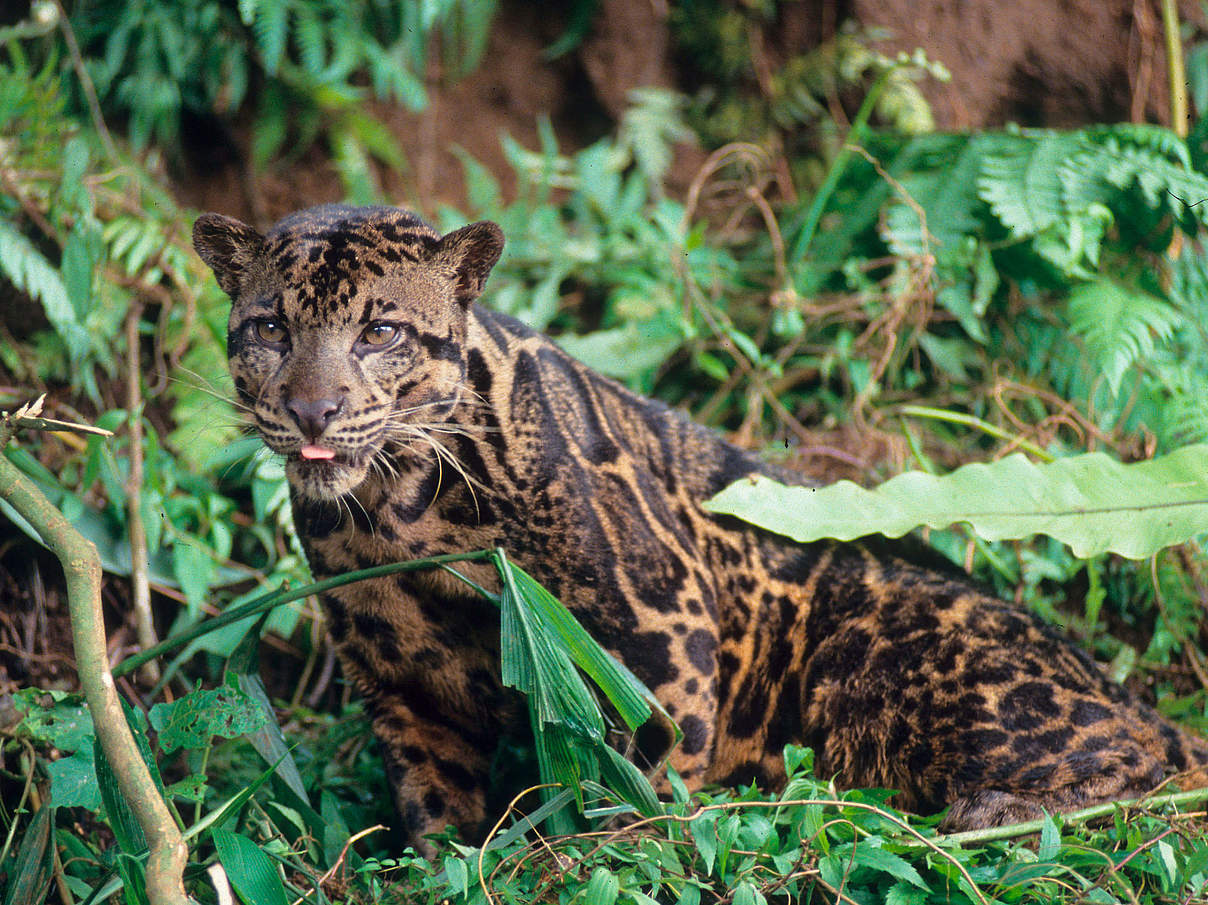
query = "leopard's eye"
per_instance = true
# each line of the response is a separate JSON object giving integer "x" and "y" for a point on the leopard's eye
{"x": 270, "y": 331}
{"x": 379, "y": 334}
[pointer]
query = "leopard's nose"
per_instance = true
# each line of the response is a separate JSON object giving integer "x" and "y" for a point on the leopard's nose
{"x": 313, "y": 415}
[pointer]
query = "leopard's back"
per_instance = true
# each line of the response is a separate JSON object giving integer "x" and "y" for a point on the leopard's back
{"x": 414, "y": 424}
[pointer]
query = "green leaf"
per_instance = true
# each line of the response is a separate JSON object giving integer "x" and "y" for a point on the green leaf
{"x": 252, "y": 873}
{"x": 30, "y": 272}
{"x": 866, "y": 854}
{"x": 624, "y": 778}
{"x": 73, "y": 780}
{"x": 903, "y": 893}
{"x": 744, "y": 894}
{"x": 704, "y": 832}
{"x": 1091, "y": 502}
{"x": 1119, "y": 325}
{"x": 31, "y": 873}
{"x": 194, "y": 569}
{"x": 134, "y": 879}
{"x": 602, "y": 888}
{"x": 270, "y": 24}
{"x": 1021, "y": 181}
{"x": 1050, "y": 840}
{"x": 268, "y": 740}
{"x": 482, "y": 188}
{"x": 126, "y": 828}
{"x": 81, "y": 258}
{"x": 191, "y": 721}
{"x": 458, "y": 873}
{"x": 624, "y": 352}
{"x": 631, "y": 698}
{"x": 57, "y": 717}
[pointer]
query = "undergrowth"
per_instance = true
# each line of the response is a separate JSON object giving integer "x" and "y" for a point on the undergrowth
{"x": 904, "y": 299}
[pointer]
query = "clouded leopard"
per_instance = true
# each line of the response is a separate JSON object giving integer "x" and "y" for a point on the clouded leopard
{"x": 355, "y": 344}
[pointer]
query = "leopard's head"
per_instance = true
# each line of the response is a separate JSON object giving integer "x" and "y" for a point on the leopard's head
{"x": 347, "y": 328}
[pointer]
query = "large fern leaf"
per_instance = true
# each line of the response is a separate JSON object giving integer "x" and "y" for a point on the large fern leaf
{"x": 269, "y": 21}
{"x": 1145, "y": 135}
{"x": 1091, "y": 502}
{"x": 1118, "y": 324}
{"x": 1021, "y": 181}
{"x": 1099, "y": 172}
{"x": 946, "y": 198}
{"x": 31, "y": 273}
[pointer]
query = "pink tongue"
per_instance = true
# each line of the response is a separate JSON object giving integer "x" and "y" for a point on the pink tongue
{"x": 317, "y": 452}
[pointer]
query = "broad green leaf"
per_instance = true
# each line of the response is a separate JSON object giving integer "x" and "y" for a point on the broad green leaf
{"x": 866, "y": 854}
{"x": 458, "y": 873}
{"x": 194, "y": 570}
{"x": 631, "y": 698}
{"x": 191, "y": 721}
{"x": 126, "y": 828}
{"x": 73, "y": 780}
{"x": 903, "y": 893}
{"x": 602, "y": 888}
{"x": 704, "y": 833}
{"x": 1091, "y": 502}
{"x": 268, "y": 740}
{"x": 63, "y": 720}
{"x": 57, "y": 717}
{"x": 689, "y": 895}
{"x": 252, "y": 873}
{"x": 744, "y": 894}
{"x": 624, "y": 352}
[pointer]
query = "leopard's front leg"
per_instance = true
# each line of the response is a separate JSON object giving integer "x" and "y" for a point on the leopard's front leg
{"x": 434, "y": 694}
{"x": 438, "y": 776}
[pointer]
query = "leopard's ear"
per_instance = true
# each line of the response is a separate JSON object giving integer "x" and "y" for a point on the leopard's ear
{"x": 470, "y": 253}
{"x": 229, "y": 246}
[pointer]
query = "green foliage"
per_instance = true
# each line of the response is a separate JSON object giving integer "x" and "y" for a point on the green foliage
{"x": 1091, "y": 502}
{"x": 251, "y": 872}
{"x": 165, "y": 64}
{"x": 619, "y": 243}
{"x": 1044, "y": 290}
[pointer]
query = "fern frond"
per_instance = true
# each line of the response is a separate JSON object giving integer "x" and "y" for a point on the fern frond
{"x": 270, "y": 25}
{"x": 650, "y": 127}
{"x": 28, "y": 270}
{"x": 310, "y": 33}
{"x": 1145, "y": 135}
{"x": 1099, "y": 173}
{"x": 948, "y": 199}
{"x": 1021, "y": 181}
{"x": 1189, "y": 283}
{"x": 1119, "y": 324}
{"x": 1185, "y": 414}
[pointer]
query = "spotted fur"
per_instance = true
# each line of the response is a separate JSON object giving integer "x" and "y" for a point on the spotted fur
{"x": 467, "y": 430}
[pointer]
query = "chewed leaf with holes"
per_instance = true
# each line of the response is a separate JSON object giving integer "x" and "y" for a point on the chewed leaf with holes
{"x": 1091, "y": 502}
{"x": 191, "y": 721}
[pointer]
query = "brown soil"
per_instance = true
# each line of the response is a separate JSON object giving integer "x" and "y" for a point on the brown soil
{"x": 1032, "y": 62}
{"x": 1036, "y": 62}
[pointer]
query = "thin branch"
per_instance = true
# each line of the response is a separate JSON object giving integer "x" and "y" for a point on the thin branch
{"x": 1175, "y": 69}
{"x": 139, "y": 583}
{"x": 89, "y": 89}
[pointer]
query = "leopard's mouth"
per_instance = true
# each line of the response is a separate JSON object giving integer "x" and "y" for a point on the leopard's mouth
{"x": 325, "y": 473}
